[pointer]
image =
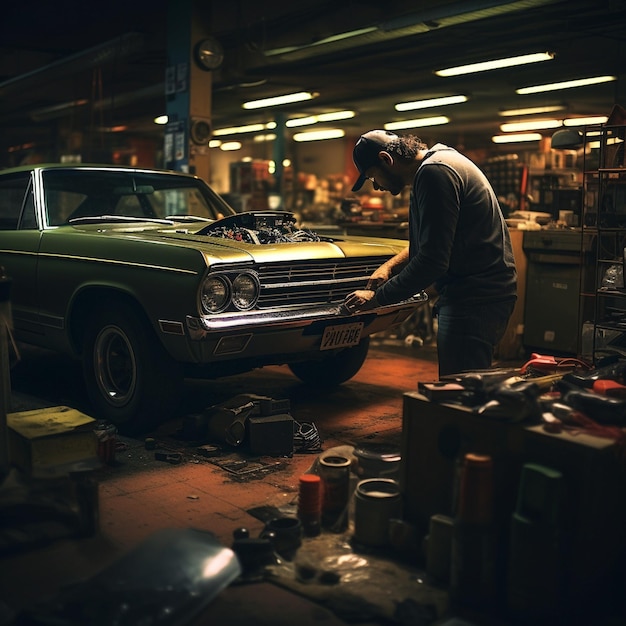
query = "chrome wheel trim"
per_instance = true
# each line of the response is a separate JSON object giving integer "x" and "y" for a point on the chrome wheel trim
{"x": 115, "y": 366}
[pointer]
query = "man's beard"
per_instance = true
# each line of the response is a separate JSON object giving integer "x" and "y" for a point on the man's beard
{"x": 395, "y": 184}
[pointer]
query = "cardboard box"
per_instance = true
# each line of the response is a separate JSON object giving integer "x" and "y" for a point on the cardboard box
{"x": 51, "y": 441}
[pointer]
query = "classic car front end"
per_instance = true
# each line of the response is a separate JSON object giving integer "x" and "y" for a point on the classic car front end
{"x": 148, "y": 276}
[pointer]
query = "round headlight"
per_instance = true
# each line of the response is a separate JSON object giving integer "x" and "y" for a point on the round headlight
{"x": 245, "y": 291}
{"x": 215, "y": 294}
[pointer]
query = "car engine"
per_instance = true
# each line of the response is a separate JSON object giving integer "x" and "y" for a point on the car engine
{"x": 263, "y": 227}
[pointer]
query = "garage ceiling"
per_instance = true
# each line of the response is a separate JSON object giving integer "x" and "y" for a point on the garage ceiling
{"x": 70, "y": 68}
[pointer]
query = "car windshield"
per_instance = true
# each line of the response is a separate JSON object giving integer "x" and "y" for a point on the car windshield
{"x": 85, "y": 194}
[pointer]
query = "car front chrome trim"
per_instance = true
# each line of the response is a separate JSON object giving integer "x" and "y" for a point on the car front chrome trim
{"x": 201, "y": 327}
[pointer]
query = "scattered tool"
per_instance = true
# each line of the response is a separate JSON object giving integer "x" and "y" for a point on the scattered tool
{"x": 550, "y": 364}
{"x": 609, "y": 388}
{"x": 604, "y": 409}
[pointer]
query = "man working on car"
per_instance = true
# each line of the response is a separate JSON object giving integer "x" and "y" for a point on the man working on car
{"x": 459, "y": 244}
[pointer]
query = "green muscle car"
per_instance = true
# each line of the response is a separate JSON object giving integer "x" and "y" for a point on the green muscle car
{"x": 148, "y": 276}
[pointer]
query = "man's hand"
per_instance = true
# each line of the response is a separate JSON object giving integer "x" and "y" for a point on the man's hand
{"x": 360, "y": 300}
{"x": 380, "y": 276}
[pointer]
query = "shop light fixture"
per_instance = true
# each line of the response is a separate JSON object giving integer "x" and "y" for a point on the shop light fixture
{"x": 319, "y": 135}
{"x": 516, "y": 127}
{"x": 485, "y": 66}
{"x": 417, "y": 123}
{"x": 430, "y": 102}
{"x": 289, "y": 98}
{"x": 301, "y": 121}
{"x": 585, "y": 121}
{"x": 228, "y": 146}
{"x": 248, "y": 128}
{"x": 215, "y": 143}
{"x": 262, "y": 138}
{"x": 531, "y": 110}
{"x": 544, "y": 124}
{"x": 567, "y": 84}
{"x": 518, "y": 138}
{"x": 322, "y": 117}
{"x": 612, "y": 141}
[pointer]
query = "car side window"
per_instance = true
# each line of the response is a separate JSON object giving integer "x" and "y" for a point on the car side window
{"x": 12, "y": 199}
{"x": 28, "y": 220}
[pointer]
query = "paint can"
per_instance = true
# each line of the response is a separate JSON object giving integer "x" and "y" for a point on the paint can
{"x": 334, "y": 470}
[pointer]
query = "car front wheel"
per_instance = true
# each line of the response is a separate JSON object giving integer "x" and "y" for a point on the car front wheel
{"x": 130, "y": 379}
{"x": 334, "y": 369}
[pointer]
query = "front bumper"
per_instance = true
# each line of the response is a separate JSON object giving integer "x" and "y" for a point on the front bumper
{"x": 202, "y": 328}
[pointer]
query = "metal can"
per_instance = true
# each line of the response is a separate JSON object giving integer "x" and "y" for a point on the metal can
{"x": 106, "y": 434}
{"x": 376, "y": 502}
{"x": 334, "y": 470}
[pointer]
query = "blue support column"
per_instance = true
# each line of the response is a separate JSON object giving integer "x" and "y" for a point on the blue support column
{"x": 187, "y": 89}
{"x": 177, "y": 92}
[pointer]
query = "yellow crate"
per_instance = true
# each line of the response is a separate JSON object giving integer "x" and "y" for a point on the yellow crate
{"x": 52, "y": 441}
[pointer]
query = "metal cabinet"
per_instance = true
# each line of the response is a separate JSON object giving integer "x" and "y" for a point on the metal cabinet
{"x": 555, "y": 268}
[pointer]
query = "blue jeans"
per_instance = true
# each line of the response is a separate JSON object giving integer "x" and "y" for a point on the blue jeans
{"x": 468, "y": 333}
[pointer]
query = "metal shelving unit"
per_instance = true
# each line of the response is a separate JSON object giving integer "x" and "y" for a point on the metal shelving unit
{"x": 604, "y": 218}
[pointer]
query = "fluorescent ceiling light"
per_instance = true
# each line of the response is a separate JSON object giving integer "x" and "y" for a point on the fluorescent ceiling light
{"x": 262, "y": 138}
{"x": 430, "y": 102}
{"x": 249, "y": 128}
{"x": 335, "y": 116}
{"x": 301, "y": 121}
{"x": 531, "y": 110}
{"x": 496, "y": 64}
{"x": 230, "y": 145}
{"x": 516, "y": 138}
{"x": 609, "y": 142}
{"x": 215, "y": 143}
{"x": 322, "y": 117}
{"x": 568, "y": 84}
{"x": 289, "y": 98}
{"x": 161, "y": 120}
{"x": 516, "y": 127}
{"x": 585, "y": 121}
{"x": 418, "y": 123}
{"x": 318, "y": 135}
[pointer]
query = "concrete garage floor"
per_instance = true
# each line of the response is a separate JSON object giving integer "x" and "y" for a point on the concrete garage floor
{"x": 139, "y": 495}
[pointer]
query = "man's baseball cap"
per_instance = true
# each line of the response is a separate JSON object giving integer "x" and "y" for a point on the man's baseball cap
{"x": 365, "y": 153}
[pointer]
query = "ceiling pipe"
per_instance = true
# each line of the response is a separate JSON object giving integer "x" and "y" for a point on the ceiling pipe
{"x": 112, "y": 50}
{"x": 402, "y": 26}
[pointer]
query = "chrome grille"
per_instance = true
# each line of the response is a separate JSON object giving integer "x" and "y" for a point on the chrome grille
{"x": 313, "y": 281}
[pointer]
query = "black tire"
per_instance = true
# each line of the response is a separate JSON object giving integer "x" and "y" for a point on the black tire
{"x": 334, "y": 369}
{"x": 131, "y": 381}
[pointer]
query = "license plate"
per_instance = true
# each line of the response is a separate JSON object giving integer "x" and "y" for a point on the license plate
{"x": 341, "y": 336}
